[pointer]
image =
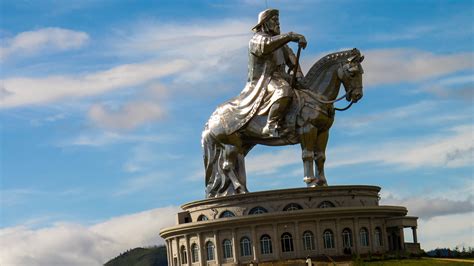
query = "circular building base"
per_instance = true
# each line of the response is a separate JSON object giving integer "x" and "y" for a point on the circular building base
{"x": 287, "y": 224}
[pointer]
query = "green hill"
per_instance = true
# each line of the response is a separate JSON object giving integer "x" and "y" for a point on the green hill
{"x": 154, "y": 256}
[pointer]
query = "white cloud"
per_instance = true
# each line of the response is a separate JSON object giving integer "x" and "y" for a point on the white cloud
{"x": 75, "y": 244}
{"x": 429, "y": 207}
{"x": 419, "y": 114}
{"x": 139, "y": 183}
{"x": 210, "y": 46}
{"x": 445, "y": 215}
{"x": 10, "y": 197}
{"x": 388, "y": 66}
{"x": 196, "y": 39}
{"x": 407, "y": 34}
{"x": 453, "y": 148}
{"x": 46, "y": 39}
{"x": 195, "y": 51}
{"x": 397, "y": 65}
{"x": 140, "y": 158}
{"x": 131, "y": 115}
{"x": 270, "y": 162}
{"x": 354, "y": 124}
{"x": 145, "y": 156}
{"x": 26, "y": 91}
{"x": 107, "y": 138}
{"x": 446, "y": 231}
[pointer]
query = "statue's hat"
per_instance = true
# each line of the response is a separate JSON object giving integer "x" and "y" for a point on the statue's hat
{"x": 264, "y": 16}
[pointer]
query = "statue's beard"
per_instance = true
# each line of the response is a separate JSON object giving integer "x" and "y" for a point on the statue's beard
{"x": 276, "y": 31}
{"x": 273, "y": 30}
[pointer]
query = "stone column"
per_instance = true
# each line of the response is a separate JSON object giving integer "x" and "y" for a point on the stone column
{"x": 217, "y": 248}
{"x": 297, "y": 240}
{"x": 338, "y": 238}
{"x": 168, "y": 257}
{"x": 188, "y": 250}
{"x": 384, "y": 237}
{"x": 371, "y": 235}
{"x": 402, "y": 237}
{"x": 178, "y": 251}
{"x": 355, "y": 236}
{"x": 318, "y": 241}
{"x": 276, "y": 242}
{"x": 234, "y": 247}
{"x": 254, "y": 244}
{"x": 202, "y": 249}
{"x": 415, "y": 238}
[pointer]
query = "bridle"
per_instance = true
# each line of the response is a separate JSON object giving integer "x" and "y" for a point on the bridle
{"x": 310, "y": 93}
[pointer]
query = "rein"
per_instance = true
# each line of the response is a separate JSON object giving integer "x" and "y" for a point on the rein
{"x": 312, "y": 95}
{"x": 345, "y": 108}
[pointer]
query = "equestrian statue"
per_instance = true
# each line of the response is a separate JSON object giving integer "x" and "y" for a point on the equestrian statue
{"x": 278, "y": 106}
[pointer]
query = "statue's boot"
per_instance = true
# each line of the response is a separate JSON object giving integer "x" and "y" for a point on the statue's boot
{"x": 275, "y": 115}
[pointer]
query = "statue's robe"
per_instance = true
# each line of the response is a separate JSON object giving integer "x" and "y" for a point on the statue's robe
{"x": 267, "y": 82}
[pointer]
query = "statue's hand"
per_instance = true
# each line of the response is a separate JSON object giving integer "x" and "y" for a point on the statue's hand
{"x": 302, "y": 42}
{"x": 296, "y": 37}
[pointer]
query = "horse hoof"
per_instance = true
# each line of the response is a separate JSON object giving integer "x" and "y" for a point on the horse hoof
{"x": 308, "y": 180}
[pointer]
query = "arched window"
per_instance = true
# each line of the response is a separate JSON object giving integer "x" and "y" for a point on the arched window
{"x": 258, "y": 210}
{"x": 292, "y": 207}
{"x": 210, "y": 250}
{"x": 378, "y": 237}
{"x": 346, "y": 238}
{"x": 328, "y": 239}
{"x": 364, "y": 237}
{"x": 286, "y": 242}
{"x": 227, "y": 214}
{"x": 227, "y": 249}
{"x": 194, "y": 253}
{"x": 308, "y": 240}
{"x": 326, "y": 204}
{"x": 203, "y": 217}
{"x": 184, "y": 255}
{"x": 245, "y": 247}
{"x": 266, "y": 245}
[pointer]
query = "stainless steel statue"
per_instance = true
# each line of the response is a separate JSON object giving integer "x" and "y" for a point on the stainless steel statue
{"x": 275, "y": 110}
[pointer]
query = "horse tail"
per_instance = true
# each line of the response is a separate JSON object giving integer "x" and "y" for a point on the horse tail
{"x": 213, "y": 156}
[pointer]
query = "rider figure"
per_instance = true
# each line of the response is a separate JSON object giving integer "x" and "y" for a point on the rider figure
{"x": 269, "y": 55}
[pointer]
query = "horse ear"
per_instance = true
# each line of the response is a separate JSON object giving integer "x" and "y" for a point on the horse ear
{"x": 361, "y": 58}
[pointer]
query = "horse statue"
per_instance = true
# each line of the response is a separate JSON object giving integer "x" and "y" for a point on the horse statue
{"x": 308, "y": 120}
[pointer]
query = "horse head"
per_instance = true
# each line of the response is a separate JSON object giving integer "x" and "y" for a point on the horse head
{"x": 350, "y": 74}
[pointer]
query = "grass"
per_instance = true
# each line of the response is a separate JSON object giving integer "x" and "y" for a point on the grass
{"x": 394, "y": 262}
{"x": 416, "y": 262}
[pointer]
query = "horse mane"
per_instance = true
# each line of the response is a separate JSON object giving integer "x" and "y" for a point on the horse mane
{"x": 327, "y": 61}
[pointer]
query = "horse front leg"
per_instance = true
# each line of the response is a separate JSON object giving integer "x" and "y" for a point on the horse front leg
{"x": 308, "y": 142}
{"x": 320, "y": 156}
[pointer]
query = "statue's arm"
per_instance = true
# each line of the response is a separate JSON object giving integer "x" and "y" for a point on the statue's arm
{"x": 264, "y": 44}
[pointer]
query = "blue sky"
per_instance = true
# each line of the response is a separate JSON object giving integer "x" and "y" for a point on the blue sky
{"x": 102, "y": 104}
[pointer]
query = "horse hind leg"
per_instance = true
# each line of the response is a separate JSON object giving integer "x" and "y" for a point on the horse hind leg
{"x": 234, "y": 167}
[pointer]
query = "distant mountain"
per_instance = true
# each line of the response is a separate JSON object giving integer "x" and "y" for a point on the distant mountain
{"x": 154, "y": 256}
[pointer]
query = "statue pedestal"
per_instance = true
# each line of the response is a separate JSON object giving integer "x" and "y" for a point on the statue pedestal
{"x": 287, "y": 224}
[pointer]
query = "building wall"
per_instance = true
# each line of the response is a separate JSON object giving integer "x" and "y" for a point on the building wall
{"x": 275, "y": 231}
{"x": 351, "y": 207}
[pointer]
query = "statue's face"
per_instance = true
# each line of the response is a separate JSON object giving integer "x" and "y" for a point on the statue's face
{"x": 273, "y": 25}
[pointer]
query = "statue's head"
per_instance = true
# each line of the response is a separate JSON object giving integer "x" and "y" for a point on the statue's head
{"x": 268, "y": 21}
